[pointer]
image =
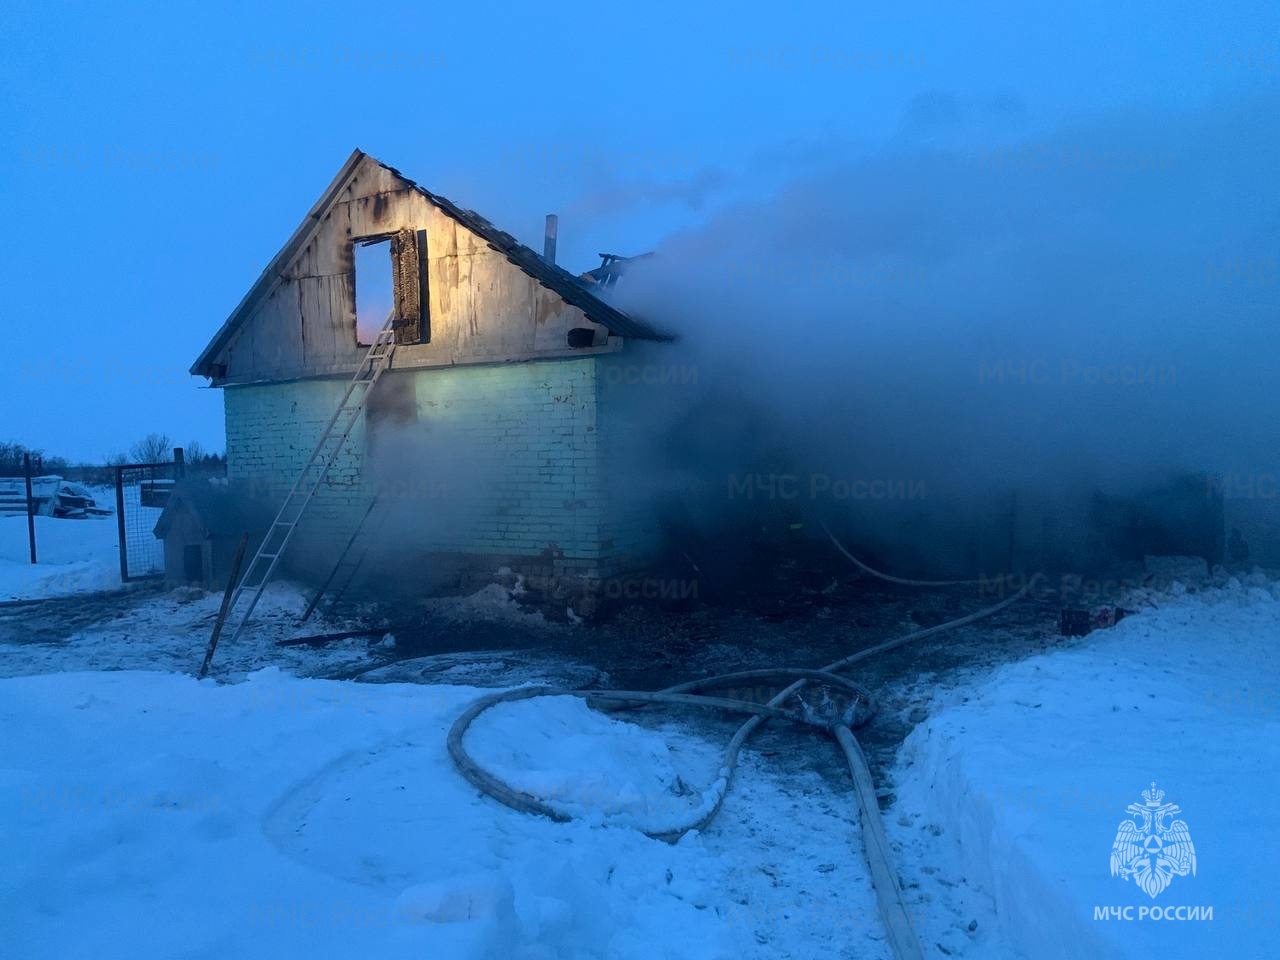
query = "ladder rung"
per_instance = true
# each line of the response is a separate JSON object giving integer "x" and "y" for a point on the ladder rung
{"x": 375, "y": 361}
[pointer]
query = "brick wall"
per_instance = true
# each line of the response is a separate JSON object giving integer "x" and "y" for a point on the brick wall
{"x": 271, "y": 431}
{"x": 505, "y": 463}
{"x": 515, "y": 448}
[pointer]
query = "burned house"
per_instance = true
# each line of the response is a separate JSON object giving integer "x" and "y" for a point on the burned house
{"x": 493, "y": 439}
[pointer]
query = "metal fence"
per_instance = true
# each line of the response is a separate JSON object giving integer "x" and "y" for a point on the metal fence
{"x": 142, "y": 490}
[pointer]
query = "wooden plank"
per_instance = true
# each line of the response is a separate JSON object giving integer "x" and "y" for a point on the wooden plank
{"x": 333, "y": 246}
{"x": 315, "y": 333}
{"x": 552, "y": 318}
{"x": 304, "y": 265}
{"x": 226, "y": 605}
{"x": 466, "y": 324}
{"x": 277, "y": 334}
{"x": 372, "y": 178}
{"x": 341, "y": 331}
{"x": 405, "y": 281}
{"x": 320, "y": 639}
{"x": 383, "y": 213}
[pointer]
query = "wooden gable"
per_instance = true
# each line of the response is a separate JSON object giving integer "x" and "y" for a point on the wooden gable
{"x": 480, "y": 306}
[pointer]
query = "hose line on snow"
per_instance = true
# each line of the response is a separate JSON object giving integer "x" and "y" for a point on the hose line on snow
{"x": 858, "y": 712}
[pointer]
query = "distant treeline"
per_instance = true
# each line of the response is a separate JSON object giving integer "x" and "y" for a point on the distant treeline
{"x": 153, "y": 448}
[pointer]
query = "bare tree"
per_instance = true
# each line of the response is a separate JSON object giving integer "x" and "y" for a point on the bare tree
{"x": 153, "y": 448}
{"x": 12, "y": 454}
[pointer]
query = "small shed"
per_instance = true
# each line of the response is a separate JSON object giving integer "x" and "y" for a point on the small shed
{"x": 201, "y": 527}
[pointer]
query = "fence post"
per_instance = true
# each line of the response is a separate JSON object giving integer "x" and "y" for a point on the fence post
{"x": 31, "y": 506}
{"x": 124, "y": 556}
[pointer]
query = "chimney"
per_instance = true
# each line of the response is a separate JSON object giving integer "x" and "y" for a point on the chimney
{"x": 549, "y": 238}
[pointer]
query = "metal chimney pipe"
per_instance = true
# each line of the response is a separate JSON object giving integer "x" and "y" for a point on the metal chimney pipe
{"x": 549, "y": 237}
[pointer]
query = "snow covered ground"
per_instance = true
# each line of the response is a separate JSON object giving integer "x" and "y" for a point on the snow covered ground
{"x": 75, "y": 556}
{"x": 169, "y": 632}
{"x": 151, "y": 815}
{"x": 1016, "y": 788}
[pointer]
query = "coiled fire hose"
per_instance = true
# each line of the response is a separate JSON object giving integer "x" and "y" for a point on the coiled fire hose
{"x": 893, "y": 910}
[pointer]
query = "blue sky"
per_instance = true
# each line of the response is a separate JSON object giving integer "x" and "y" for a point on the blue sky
{"x": 155, "y": 156}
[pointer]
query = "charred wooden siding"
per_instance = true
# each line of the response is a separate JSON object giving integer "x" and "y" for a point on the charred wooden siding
{"x": 481, "y": 307}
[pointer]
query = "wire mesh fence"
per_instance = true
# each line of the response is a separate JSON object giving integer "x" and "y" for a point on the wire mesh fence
{"x": 142, "y": 491}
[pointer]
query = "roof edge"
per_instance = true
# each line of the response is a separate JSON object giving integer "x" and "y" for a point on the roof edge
{"x": 550, "y": 275}
{"x": 271, "y": 272}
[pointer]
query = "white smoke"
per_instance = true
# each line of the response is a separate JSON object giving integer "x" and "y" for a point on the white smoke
{"x": 1093, "y": 309}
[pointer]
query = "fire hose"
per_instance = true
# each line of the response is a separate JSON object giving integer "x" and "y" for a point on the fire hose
{"x": 892, "y": 907}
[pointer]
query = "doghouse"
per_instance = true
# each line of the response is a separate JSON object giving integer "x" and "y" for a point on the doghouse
{"x": 201, "y": 527}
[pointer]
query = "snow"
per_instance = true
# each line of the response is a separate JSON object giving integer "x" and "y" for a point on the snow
{"x": 553, "y": 748}
{"x": 1013, "y": 791}
{"x": 150, "y": 814}
{"x": 171, "y": 631}
{"x": 75, "y": 556}
{"x": 154, "y": 815}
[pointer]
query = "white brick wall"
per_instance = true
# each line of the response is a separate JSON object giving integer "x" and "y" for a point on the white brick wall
{"x": 518, "y": 446}
{"x": 504, "y": 462}
{"x": 271, "y": 431}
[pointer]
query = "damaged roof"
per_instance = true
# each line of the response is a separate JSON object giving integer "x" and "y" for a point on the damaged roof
{"x": 570, "y": 288}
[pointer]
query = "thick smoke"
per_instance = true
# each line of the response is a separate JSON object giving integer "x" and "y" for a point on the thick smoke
{"x": 1093, "y": 310}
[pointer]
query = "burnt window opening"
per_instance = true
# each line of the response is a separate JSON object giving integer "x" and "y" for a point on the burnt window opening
{"x": 391, "y": 280}
{"x": 375, "y": 287}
